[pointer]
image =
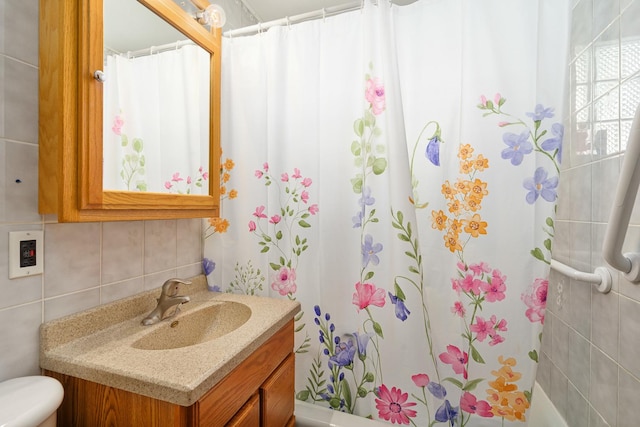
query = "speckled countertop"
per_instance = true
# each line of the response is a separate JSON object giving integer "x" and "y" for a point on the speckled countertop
{"x": 98, "y": 344}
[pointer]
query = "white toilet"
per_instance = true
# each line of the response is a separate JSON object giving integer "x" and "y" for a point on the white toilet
{"x": 30, "y": 401}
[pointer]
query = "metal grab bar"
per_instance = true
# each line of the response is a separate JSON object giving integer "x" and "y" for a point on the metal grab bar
{"x": 626, "y": 192}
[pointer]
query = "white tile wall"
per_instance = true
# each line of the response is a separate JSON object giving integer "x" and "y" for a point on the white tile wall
{"x": 589, "y": 363}
{"x": 85, "y": 264}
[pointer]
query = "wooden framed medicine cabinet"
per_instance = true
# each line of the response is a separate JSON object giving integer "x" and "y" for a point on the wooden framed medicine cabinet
{"x": 71, "y": 122}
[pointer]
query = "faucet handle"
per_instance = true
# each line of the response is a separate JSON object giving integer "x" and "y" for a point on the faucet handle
{"x": 170, "y": 287}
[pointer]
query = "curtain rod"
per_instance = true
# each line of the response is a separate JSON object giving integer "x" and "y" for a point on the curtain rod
{"x": 150, "y": 50}
{"x": 322, "y": 13}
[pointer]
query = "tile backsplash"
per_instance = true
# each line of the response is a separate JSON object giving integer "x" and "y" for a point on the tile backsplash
{"x": 85, "y": 265}
{"x": 589, "y": 366}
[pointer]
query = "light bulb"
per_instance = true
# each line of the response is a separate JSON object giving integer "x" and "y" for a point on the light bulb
{"x": 213, "y": 15}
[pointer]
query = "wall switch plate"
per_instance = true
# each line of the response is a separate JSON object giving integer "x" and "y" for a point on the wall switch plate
{"x": 26, "y": 253}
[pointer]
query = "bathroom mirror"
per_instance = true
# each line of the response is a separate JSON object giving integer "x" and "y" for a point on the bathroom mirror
{"x": 156, "y": 108}
{"x": 71, "y": 130}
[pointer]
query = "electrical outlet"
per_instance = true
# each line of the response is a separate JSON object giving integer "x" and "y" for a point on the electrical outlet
{"x": 26, "y": 250}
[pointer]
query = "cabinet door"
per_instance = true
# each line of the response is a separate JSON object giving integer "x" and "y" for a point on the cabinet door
{"x": 249, "y": 415}
{"x": 277, "y": 394}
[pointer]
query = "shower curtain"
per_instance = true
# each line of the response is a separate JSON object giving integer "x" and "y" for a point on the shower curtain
{"x": 395, "y": 170}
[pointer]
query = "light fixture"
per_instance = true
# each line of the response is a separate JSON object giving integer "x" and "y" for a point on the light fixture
{"x": 213, "y": 15}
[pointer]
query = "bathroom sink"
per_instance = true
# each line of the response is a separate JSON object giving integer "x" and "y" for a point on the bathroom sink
{"x": 196, "y": 326}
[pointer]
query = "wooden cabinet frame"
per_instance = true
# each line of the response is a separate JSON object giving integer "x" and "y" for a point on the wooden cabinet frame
{"x": 70, "y": 111}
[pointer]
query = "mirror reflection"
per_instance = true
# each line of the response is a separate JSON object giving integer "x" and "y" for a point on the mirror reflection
{"x": 156, "y": 106}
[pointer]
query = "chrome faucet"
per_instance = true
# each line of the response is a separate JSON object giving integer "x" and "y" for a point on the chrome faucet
{"x": 168, "y": 298}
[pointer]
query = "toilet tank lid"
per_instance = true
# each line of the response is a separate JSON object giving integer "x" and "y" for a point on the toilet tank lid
{"x": 28, "y": 401}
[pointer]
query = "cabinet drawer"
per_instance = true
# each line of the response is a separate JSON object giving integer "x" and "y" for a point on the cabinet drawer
{"x": 249, "y": 415}
{"x": 277, "y": 394}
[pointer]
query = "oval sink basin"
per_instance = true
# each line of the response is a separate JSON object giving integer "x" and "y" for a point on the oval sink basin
{"x": 196, "y": 326}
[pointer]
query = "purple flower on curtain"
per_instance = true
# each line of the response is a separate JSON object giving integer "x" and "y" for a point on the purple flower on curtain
{"x": 540, "y": 113}
{"x": 370, "y": 251}
{"x": 437, "y": 390}
{"x": 366, "y": 199}
{"x": 518, "y": 147}
{"x": 433, "y": 150}
{"x": 362, "y": 340}
{"x": 208, "y": 266}
{"x": 345, "y": 351}
{"x": 539, "y": 185}
{"x": 402, "y": 312}
{"x": 357, "y": 219}
{"x": 446, "y": 413}
{"x": 555, "y": 142}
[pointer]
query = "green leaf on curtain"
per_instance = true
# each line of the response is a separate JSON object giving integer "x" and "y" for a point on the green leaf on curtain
{"x": 297, "y": 240}
{"x": 410, "y": 254}
{"x": 527, "y": 394}
{"x": 403, "y": 238}
{"x": 334, "y": 402}
{"x": 137, "y": 145}
{"x": 471, "y": 385}
{"x": 476, "y": 355}
{"x": 347, "y": 393}
{"x": 379, "y": 165}
{"x": 362, "y": 392}
{"x": 356, "y": 184}
{"x": 279, "y": 235}
{"x": 368, "y": 276}
{"x": 264, "y": 250}
{"x": 454, "y": 381}
{"x": 413, "y": 269}
{"x": 299, "y": 328}
{"x": 378, "y": 329}
{"x": 550, "y": 222}
{"x": 533, "y": 355}
{"x": 274, "y": 266}
{"x": 369, "y": 118}
{"x": 282, "y": 261}
{"x": 547, "y": 244}
{"x": 537, "y": 253}
{"x": 303, "y": 395}
{"x": 299, "y": 316}
{"x": 358, "y": 128}
{"x": 356, "y": 148}
{"x": 124, "y": 141}
{"x": 399, "y": 292}
{"x": 400, "y": 217}
{"x": 303, "y": 224}
{"x": 266, "y": 238}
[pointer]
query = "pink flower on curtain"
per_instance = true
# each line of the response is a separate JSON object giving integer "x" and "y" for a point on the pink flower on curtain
{"x": 118, "y": 122}
{"x": 420, "y": 380}
{"x": 367, "y": 294}
{"x": 457, "y": 359}
{"x": 469, "y": 403}
{"x": 374, "y": 93}
{"x": 252, "y": 226}
{"x": 392, "y": 405}
{"x": 259, "y": 213}
{"x": 285, "y": 281}
{"x": 535, "y": 298}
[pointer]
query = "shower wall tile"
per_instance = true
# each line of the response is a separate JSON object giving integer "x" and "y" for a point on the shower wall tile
{"x": 72, "y": 257}
{"x": 21, "y": 184}
{"x": 58, "y": 307}
{"x": 603, "y": 391}
{"x": 604, "y": 323}
{"x": 119, "y": 290}
{"x": 603, "y": 369}
{"x": 628, "y": 399}
{"x": 189, "y": 241}
{"x": 122, "y": 250}
{"x": 579, "y": 361}
{"x": 21, "y": 336}
{"x": 580, "y": 307}
{"x": 629, "y": 333}
{"x": 18, "y": 34}
{"x": 577, "y": 408}
{"x": 160, "y": 247}
{"x": 559, "y": 390}
{"x": 19, "y": 99}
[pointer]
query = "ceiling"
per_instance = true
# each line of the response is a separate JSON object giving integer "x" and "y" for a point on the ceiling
{"x": 269, "y": 10}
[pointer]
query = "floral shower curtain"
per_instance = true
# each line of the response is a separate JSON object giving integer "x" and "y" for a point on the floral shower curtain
{"x": 395, "y": 170}
{"x": 150, "y": 103}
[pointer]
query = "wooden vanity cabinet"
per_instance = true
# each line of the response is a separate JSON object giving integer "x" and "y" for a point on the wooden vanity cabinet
{"x": 259, "y": 392}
